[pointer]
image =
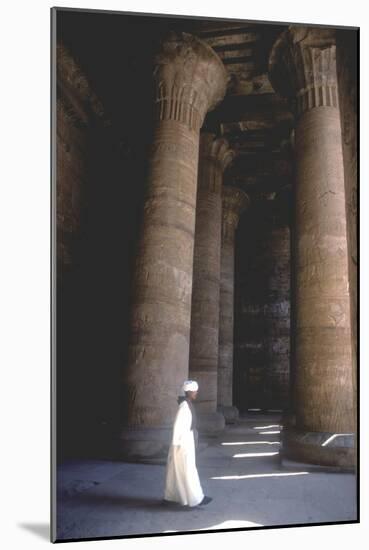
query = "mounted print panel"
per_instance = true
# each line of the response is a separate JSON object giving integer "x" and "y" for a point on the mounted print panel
{"x": 204, "y": 272}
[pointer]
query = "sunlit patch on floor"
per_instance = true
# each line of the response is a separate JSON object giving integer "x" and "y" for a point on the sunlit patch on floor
{"x": 233, "y": 524}
{"x": 332, "y": 437}
{"x": 267, "y": 427}
{"x": 252, "y": 443}
{"x": 251, "y": 476}
{"x": 270, "y": 433}
{"x": 250, "y": 455}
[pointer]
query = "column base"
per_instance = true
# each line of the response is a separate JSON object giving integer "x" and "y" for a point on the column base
{"x": 320, "y": 448}
{"x": 231, "y": 414}
{"x": 144, "y": 444}
{"x": 210, "y": 424}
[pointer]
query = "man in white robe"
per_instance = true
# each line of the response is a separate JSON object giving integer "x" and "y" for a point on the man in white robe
{"x": 182, "y": 483}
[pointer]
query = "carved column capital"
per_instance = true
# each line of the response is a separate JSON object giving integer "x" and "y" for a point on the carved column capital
{"x": 190, "y": 80}
{"x": 234, "y": 203}
{"x": 216, "y": 150}
{"x": 302, "y": 66}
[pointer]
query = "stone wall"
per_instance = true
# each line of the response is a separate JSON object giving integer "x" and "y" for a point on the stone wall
{"x": 99, "y": 189}
{"x": 71, "y": 144}
{"x": 78, "y": 112}
{"x": 262, "y": 331}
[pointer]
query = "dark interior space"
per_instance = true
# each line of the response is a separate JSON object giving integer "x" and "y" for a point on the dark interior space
{"x": 263, "y": 305}
{"x": 115, "y": 52}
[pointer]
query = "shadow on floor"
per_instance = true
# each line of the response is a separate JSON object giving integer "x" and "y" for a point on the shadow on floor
{"x": 241, "y": 471}
{"x": 40, "y": 529}
{"x": 143, "y": 503}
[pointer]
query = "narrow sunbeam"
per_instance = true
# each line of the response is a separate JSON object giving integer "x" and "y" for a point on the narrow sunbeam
{"x": 252, "y": 410}
{"x": 252, "y": 443}
{"x": 251, "y": 476}
{"x": 274, "y": 432}
{"x": 267, "y": 427}
{"x": 246, "y": 455}
{"x": 332, "y": 437}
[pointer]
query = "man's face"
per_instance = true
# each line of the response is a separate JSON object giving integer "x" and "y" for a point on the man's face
{"x": 192, "y": 395}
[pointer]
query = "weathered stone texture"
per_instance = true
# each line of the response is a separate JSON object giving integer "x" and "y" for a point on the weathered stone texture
{"x": 71, "y": 175}
{"x": 184, "y": 294}
{"x": 160, "y": 321}
{"x": 234, "y": 202}
{"x": 77, "y": 105}
{"x": 323, "y": 378}
{"x": 190, "y": 79}
{"x": 215, "y": 155}
{"x": 347, "y": 87}
{"x": 302, "y": 66}
{"x": 323, "y": 339}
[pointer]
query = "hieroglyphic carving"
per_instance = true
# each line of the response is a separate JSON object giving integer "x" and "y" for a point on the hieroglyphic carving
{"x": 308, "y": 75}
{"x": 215, "y": 155}
{"x": 303, "y": 65}
{"x": 186, "y": 150}
{"x": 190, "y": 80}
{"x": 234, "y": 203}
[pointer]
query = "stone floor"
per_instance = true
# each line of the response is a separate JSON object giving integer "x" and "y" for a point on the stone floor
{"x": 241, "y": 470}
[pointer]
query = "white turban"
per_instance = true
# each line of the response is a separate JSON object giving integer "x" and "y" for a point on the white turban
{"x": 190, "y": 385}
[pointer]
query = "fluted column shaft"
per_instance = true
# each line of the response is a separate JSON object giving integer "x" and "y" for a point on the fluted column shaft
{"x": 234, "y": 202}
{"x": 215, "y": 155}
{"x": 323, "y": 374}
{"x": 190, "y": 80}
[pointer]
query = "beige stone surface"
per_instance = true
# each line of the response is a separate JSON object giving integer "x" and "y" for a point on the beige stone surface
{"x": 323, "y": 342}
{"x": 215, "y": 155}
{"x": 234, "y": 202}
{"x": 190, "y": 79}
{"x": 347, "y": 87}
{"x": 323, "y": 370}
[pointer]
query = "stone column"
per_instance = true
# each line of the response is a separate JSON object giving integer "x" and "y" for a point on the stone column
{"x": 190, "y": 80}
{"x": 234, "y": 202}
{"x": 215, "y": 155}
{"x": 303, "y": 66}
{"x": 347, "y": 56}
